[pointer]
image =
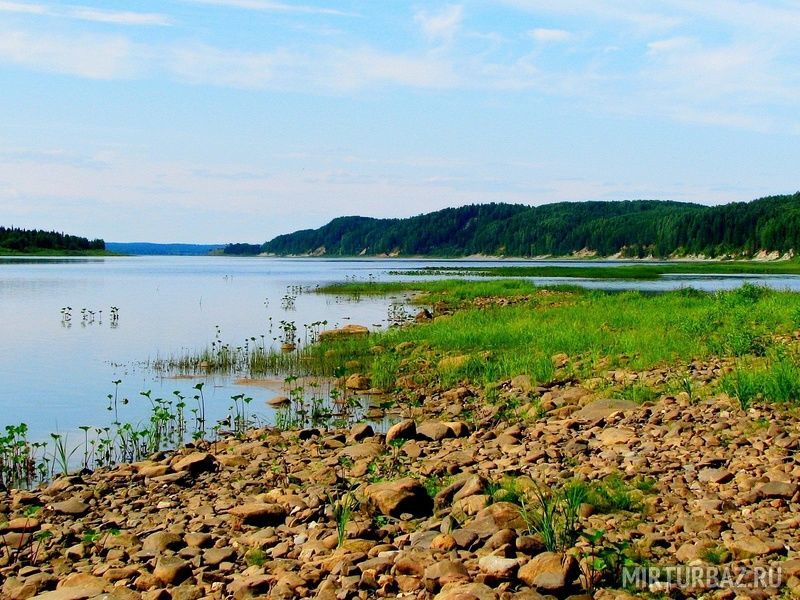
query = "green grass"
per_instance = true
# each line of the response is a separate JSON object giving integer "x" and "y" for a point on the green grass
{"x": 624, "y": 271}
{"x": 629, "y": 329}
{"x": 776, "y": 380}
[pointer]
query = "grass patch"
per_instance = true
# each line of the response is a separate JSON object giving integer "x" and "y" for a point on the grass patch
{"x": 624, "y": 271}
{"x": 630, "y": 329}
{"x": 614, "y": 494}
{"x": 775, "y": 380}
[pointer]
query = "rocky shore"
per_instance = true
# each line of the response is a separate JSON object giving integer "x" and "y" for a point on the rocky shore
{"x": 437, "y": 507}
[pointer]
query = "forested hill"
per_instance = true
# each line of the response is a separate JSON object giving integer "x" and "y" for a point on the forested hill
{"x": 634, "y": 228}
{"x": 36, "y": 241}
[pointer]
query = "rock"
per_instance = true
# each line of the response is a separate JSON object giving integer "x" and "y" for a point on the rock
{"x": 278, "y": 401}
{"x": 196, "y": 463}
{"x": 522, "y": 383}
{"x": 423, "y": 316}
{"x": 747, "y": 546}
{"x": 346, "y": 331}
{"x": 466, "y": 591}
{"x": 158, "y": 542}
{"x": 778, "y": 489}
{"x": 498, "y": 568}
{"x": 548, "y": 571}
{"x": 72, "y": 506}
{"x": 364, "y": 450}
{"x": 198, "y": 540}
{"x": 361, "y": 431}
{"x": 433, "y": 431}
{"x": 186, "y": 592}
{"x": 172, "y": 570}
{"x": 214, "y": 556}
{"x": 70, "y": 593}
{"x": 250, "y": 585}
{"x": 446, "y": 571}
{"x": 692, "y": 551}
{"x": 19, "y": 525}
{"x": 613, "y": 436}
{"x": 718, "y": 476}
{"x": 259, "y": 514}
{"x": 493, "y": 518}
{"x": 358, "y": 382}
{"x": 404, "y": 430}
{"x": 21, "y": 588}
{"x": 393, "y": 498}
{"x": 600, "y": 409}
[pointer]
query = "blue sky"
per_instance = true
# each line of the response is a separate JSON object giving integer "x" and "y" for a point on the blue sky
{"x": 236, "y": 120}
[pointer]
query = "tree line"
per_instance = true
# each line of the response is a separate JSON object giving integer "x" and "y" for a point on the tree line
{"x": 33, "y": 240}
{"x": 635, "y": 228}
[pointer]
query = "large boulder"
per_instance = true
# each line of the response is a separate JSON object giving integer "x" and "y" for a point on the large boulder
{"x": 196, "y": 463}
{"x": 394, "y": 498}
{"x": 549, "y": 571}
{"x": 404, "y": 430}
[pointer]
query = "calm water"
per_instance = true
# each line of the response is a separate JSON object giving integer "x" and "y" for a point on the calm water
{"x": 55, "y": 376}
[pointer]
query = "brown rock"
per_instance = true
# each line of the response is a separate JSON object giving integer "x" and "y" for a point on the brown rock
{"x": 196, "y": 463}
{"x": 259, "y": 514}
{"x": 548, "y": 571}
{"x": 433, "y": 431}
{"x": 497, "y": 516}
{"x": 72, "y": 506}
{"x": 748, "y": 546}
{"x": 600, "y": 409}
{"x": 466, "y": 591}
{"x": 778, "y": 489}
{"x": 172, "y": 570}
{"x": 393, "y": 498}
{"x": 358, "y": 382}
{"x": 404, "y": 430}
{"x": 444, "y": 572}
{"x": 157, "y": 542}
{"x": 279, "y": 401}
{"x": 718, "y": 476}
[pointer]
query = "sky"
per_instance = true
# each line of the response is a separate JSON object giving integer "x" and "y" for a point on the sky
{"x": 237, "y": 120}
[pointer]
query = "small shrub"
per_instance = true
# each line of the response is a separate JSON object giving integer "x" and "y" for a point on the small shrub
{"x": 255, "y": 557}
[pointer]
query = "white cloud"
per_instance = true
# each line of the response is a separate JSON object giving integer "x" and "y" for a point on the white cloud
{"x": 117, "y": 17}
{"x": 545, "y": 36}
{"x": 441, "y": 25}
{"x": 352, "y": 69}
{"x": 88, "y": 56}
{"x": 267, "y": 6}
{"x": 24, "y": 8}
{"x": 83, "y": 13}
{"x": 201, "y": 64}
{"x": 637, "y": 13}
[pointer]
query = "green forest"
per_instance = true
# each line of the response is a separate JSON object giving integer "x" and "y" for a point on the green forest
{"x": 635, "y": 228}
{"x": 36, "y": 241}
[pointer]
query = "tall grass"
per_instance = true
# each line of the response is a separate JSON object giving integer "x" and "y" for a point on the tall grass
{"x": 775, "y": 380}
